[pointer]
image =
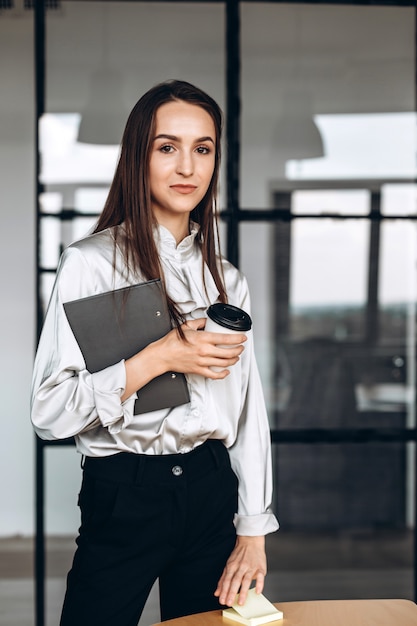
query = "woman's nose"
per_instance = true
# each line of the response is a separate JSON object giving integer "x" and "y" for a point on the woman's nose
{"x": 185, "y": 165}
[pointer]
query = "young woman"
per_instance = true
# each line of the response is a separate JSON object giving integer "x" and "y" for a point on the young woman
{"x": 180, "y": 494}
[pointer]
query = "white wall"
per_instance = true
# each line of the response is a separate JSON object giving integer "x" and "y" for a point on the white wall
{"x": 17, "y": 310}
{"x": 17, "y": 267}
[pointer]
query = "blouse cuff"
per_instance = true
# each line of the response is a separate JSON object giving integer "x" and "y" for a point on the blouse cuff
{"x": 108, "y": 386}
{"x": 256, "y": 525}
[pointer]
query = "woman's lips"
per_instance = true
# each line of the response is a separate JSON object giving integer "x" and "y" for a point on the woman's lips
{"x": 184, "y": 188}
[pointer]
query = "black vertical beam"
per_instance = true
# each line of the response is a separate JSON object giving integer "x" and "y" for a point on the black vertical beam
{"x": 40, "y": 54}
{"x": 281, "y": 259}
{"x": 232, "y": 126}
{"x": 372, "y": 313}
{"x": 414, "y": 445}
{"x": 40, "y": 537}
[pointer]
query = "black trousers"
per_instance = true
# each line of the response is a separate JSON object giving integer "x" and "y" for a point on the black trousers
{"x": 145, "y": 517}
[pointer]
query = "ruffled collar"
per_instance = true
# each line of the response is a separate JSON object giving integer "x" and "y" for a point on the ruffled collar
{"x": 182, "y": 265}
{"x": 167, "y": 245}
{"x": 183, "y": 271}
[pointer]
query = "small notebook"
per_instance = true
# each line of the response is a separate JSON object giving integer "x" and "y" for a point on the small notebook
{"x": 257, "y": 610}
{"x": 117, "y": 324}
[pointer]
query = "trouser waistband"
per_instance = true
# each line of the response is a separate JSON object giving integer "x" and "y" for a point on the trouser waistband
{"x": 128, "y": 468}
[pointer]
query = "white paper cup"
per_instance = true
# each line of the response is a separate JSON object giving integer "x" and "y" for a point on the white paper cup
{"x": 226, "y": 319}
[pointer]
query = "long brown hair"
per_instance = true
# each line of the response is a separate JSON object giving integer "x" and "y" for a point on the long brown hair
{"x": 129, "y": 198}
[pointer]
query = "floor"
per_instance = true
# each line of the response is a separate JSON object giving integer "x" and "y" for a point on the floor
{"x": 302, "y": 566}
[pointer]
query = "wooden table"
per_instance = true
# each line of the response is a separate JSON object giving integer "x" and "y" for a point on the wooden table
{"x": 322, "y": 613}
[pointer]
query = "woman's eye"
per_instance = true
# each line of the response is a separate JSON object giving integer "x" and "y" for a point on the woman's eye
{"x": 166, "y": 148}
{"x": 203, "y": 150}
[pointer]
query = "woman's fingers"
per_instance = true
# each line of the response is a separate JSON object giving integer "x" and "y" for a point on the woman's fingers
{"x": 197, "y": 324}
{"x": 201, "y": 351}
{"x": 216, "y": 339}
{"x": 246, "y": 563}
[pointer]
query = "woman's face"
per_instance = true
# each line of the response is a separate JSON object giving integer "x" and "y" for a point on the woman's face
{"x": 182, "y": 160}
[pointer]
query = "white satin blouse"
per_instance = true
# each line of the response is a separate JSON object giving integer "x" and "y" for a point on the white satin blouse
{"x": 67, "y": 400}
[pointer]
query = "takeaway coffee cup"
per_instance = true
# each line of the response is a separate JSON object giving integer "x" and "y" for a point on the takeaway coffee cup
{"x": 226, "y": 318}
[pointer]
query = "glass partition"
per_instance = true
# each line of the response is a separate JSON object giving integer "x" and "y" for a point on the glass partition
{"x": 327, "y": 93}
{"x": 329, "y": 149}
{"x": 101, "y": 57}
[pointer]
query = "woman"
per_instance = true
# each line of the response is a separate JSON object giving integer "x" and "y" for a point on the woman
{"x": 179, "y": 494}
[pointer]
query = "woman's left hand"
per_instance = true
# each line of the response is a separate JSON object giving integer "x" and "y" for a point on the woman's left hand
{"x": 246, "y": 563}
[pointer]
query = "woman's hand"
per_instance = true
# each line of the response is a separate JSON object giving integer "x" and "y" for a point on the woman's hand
{"x": 246, "y": 563}
{"x": 195, "y": 354}
{"x": 200, "y": 350}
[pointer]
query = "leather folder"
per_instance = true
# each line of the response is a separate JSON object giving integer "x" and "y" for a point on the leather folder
{"x": 117, "y": 324}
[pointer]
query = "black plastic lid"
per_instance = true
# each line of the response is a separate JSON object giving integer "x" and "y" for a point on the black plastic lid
{"x": 229, "y": 316}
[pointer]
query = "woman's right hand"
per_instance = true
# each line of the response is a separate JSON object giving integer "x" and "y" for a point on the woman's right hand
{"x": 200, "y": 351}
{"x": 197, "y": 353}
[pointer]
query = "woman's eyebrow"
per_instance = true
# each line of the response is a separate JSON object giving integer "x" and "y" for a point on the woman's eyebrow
{"x": 175, "y": 138}
{"x": 202, "y": 139}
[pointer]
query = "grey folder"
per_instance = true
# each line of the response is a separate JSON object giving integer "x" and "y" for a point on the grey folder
{"x": 117, "y": 324}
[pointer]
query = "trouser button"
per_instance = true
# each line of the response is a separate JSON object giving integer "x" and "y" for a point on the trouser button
{"x": 177, "y": 470}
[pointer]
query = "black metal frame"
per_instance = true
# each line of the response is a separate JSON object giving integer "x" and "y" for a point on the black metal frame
{"x": 40, "y": 65}
{"x": 232, "y": 215}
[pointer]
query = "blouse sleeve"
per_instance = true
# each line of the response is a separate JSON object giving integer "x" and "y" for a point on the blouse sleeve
{"x": 251, "y": 452}
{"x": 66, "y": 398}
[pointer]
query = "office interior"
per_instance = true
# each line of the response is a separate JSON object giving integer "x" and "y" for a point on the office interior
{"x": 317, "y": 207}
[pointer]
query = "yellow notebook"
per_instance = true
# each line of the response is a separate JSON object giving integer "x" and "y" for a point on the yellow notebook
{"x": 256, "y": 610}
